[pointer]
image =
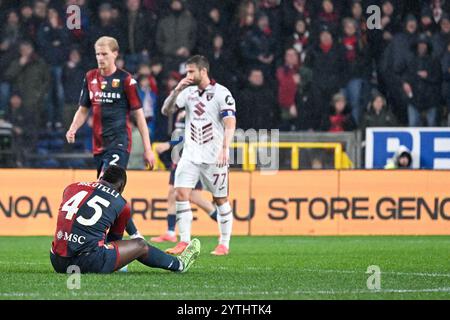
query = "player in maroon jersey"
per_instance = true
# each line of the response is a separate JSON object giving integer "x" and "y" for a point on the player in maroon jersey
{"x": 91, "y": 221}
{"x": 112, "y": 95}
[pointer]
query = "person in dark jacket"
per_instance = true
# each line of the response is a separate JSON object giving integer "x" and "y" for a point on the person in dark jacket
{"x": 445, "y": 68}
{"x": 30, "y": 77}
{"x": 394, "y": 66}
{"x": 10, "y": 35}
{"x": 441, "y": 38}
{"x": 257, "y": 103}
{"x": 258, "y": 47}
{"x": 53, "y": 40}
{"x": 378, "y": 114}
{"x": 326, "y": 60}
{"x": 176, "y": 35}
{"x": 24, "y": 130}
{"x": 221, "y": 62}
{"x": 72, "y": 81}
{"x": 106, "y": 26}
{"x": 358, "y": 64}
{"x": 139, "y": 27}
{"x": 421, "y": 84}
{"x": 340, "y": 118}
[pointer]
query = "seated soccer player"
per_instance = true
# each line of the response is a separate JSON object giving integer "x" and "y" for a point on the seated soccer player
{"x": 87, "y": 211}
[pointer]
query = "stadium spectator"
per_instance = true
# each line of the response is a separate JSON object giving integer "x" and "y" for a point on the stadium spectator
{"x": 378, "y": 114}
{"x": 441, "y": 38}
{"x": 106, "y": 26}
{"x": 26, "y": 20}
{"x": 78, "y": 36}
{"x": 10, "y": 36}
{"x": 379, "y": 39}
{"x": 288, "y": 79}
{"x": 293, "y": 10}
{"x": 445, "y": 67}
{"x": 139, "y": 27}
{"x": 23, "y": 130}
{"x": 305, "y": 121}
{"x": 327, "y": 17}
{"x": 340, "y": 118}
{"x": 300, "y": 39}
{"x": 39, "y": 14}
{"x": 426, "y": 24}
{"x": 438, "y": 7}
{"x": 53, "y": 40}
{"x": 273, "y": 10}
{"x": 358, "y": 65}
{"x": 422, "y": 85}
{"x": 209, "y": 26}
{"x": 402, "y": 159}
{"x": 176, "y": 35}
{"x": 245, "y": 19}
{"x": 256, "y": 103}
{"x": 29, "y": 76}
{"x": 327, "y": 63}
{"x": 72, "y": 81}
{"x": 148, "y": 99}
{"x": 222, "y": 63}
{"x": 394, "y": 66}
{"x": 165, "y": 127}
{"x": 258, "y": 47}
{"x": 357, "y": 13}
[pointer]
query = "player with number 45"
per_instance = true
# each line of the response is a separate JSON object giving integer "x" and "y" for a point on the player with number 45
{"x": 91, "y": 222}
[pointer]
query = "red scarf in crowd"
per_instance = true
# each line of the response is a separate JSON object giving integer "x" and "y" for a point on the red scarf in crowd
{"x": 326, "y": 47}
{"x": 350, "y": 44}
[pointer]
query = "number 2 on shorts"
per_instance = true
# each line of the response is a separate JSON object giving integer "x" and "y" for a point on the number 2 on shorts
{"x": 114, "y": 160}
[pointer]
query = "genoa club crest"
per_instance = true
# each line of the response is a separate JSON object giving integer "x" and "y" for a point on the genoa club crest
{"x": 115, "y": 83}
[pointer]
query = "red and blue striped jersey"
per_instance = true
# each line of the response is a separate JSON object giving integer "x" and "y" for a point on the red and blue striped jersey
{"x": 111, "y": 99}
{"x": 87, "y": 211}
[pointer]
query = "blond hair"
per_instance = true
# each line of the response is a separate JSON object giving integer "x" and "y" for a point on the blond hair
{"x": 108, "y": 41}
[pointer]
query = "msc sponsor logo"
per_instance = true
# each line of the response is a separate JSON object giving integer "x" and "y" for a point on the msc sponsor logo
{"x": 71, "y": 237}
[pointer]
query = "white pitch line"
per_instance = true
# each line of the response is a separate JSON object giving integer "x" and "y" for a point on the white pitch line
{"x": 420, "y": 274}
{"x": 231, "y": 293}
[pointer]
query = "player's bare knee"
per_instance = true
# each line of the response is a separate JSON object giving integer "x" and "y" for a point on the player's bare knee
{"x": 142, "y": 245}
{"x": 181, "y": 195}
{"x": 220, "y": 201}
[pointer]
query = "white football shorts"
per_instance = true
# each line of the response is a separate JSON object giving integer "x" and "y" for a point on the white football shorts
{"x": 213, "y": 178}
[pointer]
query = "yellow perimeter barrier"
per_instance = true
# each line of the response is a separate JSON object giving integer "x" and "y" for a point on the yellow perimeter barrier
{"x": 309, "y": 202}
{"x": 249, "y": 153}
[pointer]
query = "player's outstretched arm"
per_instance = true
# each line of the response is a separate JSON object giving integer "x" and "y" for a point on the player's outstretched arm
{"x": 79, "y": 119}
{"x": 169, "y": 106}
{"x": 141, "y": 124}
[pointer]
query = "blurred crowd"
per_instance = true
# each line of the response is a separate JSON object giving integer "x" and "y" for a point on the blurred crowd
{"x": 294, "y": 65}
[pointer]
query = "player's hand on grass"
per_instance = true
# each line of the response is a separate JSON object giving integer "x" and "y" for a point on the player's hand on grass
{"x": 70, "y": 136}
{"x": 224, "y": 157}
{"x": 149, "y": 159}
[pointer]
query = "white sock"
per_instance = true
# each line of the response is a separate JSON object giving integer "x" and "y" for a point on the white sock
{"x": 225, "y": 222}
{"x": 184, "y": 220}
{"x": 171, "y": 233}
{"x": 137, "y": 235}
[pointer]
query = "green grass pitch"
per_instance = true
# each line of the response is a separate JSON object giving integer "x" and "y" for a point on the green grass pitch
{"x": 257, "y": 268}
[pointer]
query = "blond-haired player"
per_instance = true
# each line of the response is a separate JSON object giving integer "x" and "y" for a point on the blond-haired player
{"x": 112, "y": 96}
